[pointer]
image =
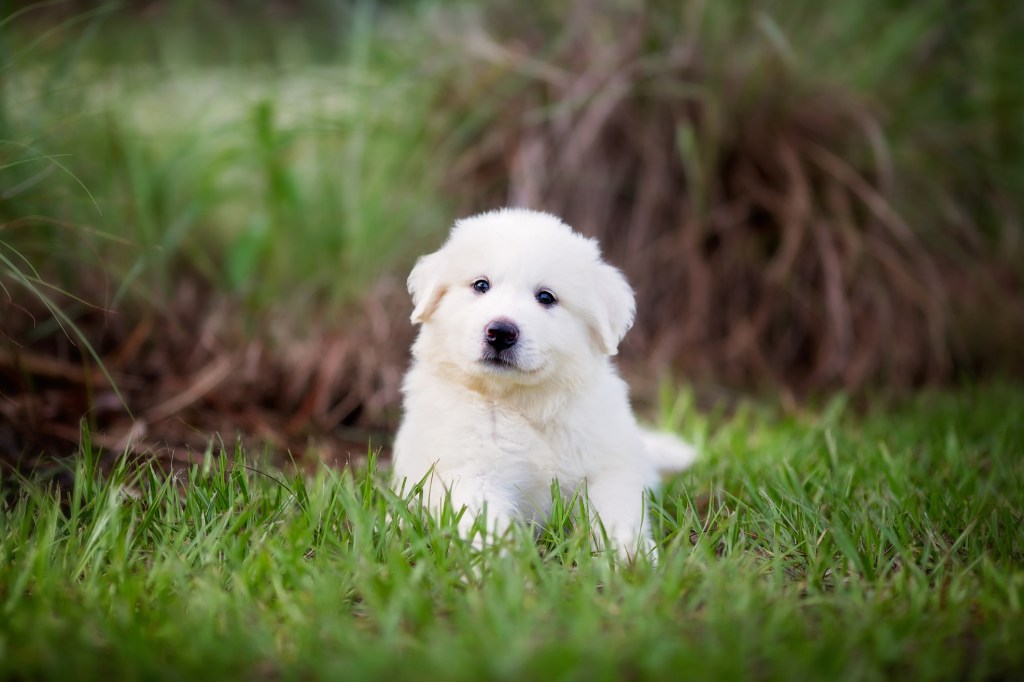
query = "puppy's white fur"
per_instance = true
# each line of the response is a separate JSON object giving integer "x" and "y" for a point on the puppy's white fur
{"x": 494, "y": 429}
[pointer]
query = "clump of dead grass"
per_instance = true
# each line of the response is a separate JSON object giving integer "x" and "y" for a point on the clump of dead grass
{"x": 192, "y": 371}
{"x": 757, "y": 211}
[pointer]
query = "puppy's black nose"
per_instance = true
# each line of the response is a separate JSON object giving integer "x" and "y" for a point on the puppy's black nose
{"x": 501, "y": 334}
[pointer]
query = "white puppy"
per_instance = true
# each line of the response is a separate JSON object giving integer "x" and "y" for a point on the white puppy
{"x": 511, "y": 385}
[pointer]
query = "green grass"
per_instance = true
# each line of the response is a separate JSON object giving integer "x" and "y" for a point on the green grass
{"x": 307, "y": 153}
{"x": 824, "y": 546}
{"x": 250, "y": 152}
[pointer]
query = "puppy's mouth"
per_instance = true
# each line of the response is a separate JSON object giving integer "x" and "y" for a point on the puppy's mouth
{"x": 503, "y": 361}
{"x": 500, "y": 361}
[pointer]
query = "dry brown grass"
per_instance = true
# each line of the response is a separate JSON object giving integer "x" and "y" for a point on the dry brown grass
{"x": 191, "y": 373}
{"x": 757, "y": 215}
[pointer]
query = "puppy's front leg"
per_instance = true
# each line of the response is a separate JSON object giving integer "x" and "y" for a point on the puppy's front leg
{"x": 618, "y": 502}
{"x": 478, "y": 495}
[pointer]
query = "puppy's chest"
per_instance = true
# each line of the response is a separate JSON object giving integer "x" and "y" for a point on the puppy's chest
{"x": 511, "y": 434}
{"x": 546, "y": 448}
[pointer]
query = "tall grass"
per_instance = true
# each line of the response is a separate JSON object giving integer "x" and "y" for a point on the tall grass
{"x": 824, "y": 546}
{"x": 293, "y": 154}
{"x": 804, "y": 195}
{"x": 262, "y": 158}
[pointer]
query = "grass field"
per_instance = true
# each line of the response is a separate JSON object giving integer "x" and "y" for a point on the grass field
{"x": 825, "y": 546}
{"x": 280, "y": 159}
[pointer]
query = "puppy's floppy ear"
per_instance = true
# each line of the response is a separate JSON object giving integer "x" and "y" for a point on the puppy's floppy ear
{"x": 425, "y": 286}
{"x": 615, "y": 306}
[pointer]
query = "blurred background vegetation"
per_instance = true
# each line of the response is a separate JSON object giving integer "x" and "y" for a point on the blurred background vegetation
{"x": 207, "y": 210}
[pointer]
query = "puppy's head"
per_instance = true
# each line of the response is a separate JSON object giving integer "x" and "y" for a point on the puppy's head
{"x": 517, "y": 297}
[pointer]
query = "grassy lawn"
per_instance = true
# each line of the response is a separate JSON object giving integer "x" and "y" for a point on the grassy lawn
{"x": 826, "y": 546}
{"x": 281, "y": 166}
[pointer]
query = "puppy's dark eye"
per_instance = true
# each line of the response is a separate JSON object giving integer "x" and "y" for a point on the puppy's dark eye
{"x": 481, "y": 286}
{"x": 546, "y": 298}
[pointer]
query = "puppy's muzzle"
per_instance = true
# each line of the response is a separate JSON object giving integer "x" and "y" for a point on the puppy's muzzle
{"x": 501, "y": 334}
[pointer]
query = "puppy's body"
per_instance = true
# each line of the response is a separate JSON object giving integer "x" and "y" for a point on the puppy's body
{"x": 505, "y": 450}
{"x": 511, "y": 385}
